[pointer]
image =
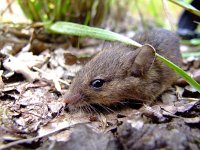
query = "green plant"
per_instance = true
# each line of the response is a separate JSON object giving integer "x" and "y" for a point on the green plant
{"x": 187, "y": 6}
{"x": 194, "y": 42}
{"x": 88, "y": 12}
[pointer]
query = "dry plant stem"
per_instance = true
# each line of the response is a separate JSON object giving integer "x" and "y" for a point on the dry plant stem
{"x": 38, "y": 137}
{"x": 167, "y": 12}
{"x": 8, "y": 7}
{"x": 28, "y": 46}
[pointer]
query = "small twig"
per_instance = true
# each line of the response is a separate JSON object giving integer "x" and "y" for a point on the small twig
{"x": 8, "y": 7}
{"x": 37, "y": 137}
{"x": 29, "y": 45}
{"x": 189, "y": 99}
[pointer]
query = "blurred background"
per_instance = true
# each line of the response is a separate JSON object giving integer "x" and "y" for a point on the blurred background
{"x": 113, "y": 14}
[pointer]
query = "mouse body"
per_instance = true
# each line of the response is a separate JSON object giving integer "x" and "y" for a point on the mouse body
{"x": 121, "y": 71}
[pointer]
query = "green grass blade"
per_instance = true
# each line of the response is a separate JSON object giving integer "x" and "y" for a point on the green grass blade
{"x": 86, "y": 31}
{"x": 187, "y": 6}
{"x": 190, "y": 54}
{"x": 57, "y": 10}
{"x": 194, "y": 42}
{"x": 180, "y": 72}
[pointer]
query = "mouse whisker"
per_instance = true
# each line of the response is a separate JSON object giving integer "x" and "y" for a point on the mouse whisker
{"x": 109, "y": 108}
{"x": 89, "y": 109}
{"x": 124, "y": 103}
{"x": 84, "y": 109}
{"x": 106, "y": 108}
{"x": 94, "y": 109}
{"x": 98, "y": 104}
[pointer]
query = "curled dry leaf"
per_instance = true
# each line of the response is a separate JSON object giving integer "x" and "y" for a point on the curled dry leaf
{"x": 24, "y": 62}
{"x": 18, "y": 66}
{"x": 171, "y": 105}
{"x": 70, "y": 59}
{"x": 168, "y": 110}
{"x": 154, "y": 112}
{"x": 168, "y": 98}
{"x": 184, "y": 106}
{"x": 55, "y": 107}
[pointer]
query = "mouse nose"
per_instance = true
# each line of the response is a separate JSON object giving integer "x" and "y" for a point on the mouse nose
{"x": 70, "y": 98}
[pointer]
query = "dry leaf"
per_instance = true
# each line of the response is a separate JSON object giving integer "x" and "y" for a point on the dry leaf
{"x": 14, "y": 64}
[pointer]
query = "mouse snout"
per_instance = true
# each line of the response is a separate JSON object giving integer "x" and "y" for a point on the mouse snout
{"x": 70, "y": 98}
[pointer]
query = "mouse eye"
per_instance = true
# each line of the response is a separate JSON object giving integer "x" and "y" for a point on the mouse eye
{"x": 98, "y": 83}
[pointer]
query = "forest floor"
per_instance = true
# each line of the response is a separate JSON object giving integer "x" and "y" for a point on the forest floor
{"x": 37, "y": 69}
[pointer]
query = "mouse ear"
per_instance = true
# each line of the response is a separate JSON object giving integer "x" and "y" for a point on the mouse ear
{"x": 143, "y": 60}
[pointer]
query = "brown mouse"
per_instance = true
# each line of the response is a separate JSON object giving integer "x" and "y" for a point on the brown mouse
{"x": 122, "y": 71}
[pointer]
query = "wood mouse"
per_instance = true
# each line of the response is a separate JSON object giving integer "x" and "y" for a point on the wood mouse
{"x": 122, "y": 71}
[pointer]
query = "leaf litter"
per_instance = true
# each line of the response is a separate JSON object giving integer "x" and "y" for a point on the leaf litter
{"x": 32, "y": 112}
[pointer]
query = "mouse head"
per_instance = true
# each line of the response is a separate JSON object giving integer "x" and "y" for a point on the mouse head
{"x": 113, "y": 75}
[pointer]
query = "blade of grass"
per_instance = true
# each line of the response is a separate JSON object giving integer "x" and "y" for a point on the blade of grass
{"x": 34, "y": 9}
{"x": 65, "y": 7}
{"x": 45, "y": 10}
{"x": 191, "y": 54}
{"x": 187, "y": 6}
{"x": 194, "y": 42}
{"x": 26, "y": 9}
{"x": 180, "y": 72}
{"x": 57, "y": 10}
{"x": 86, "y": 31}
